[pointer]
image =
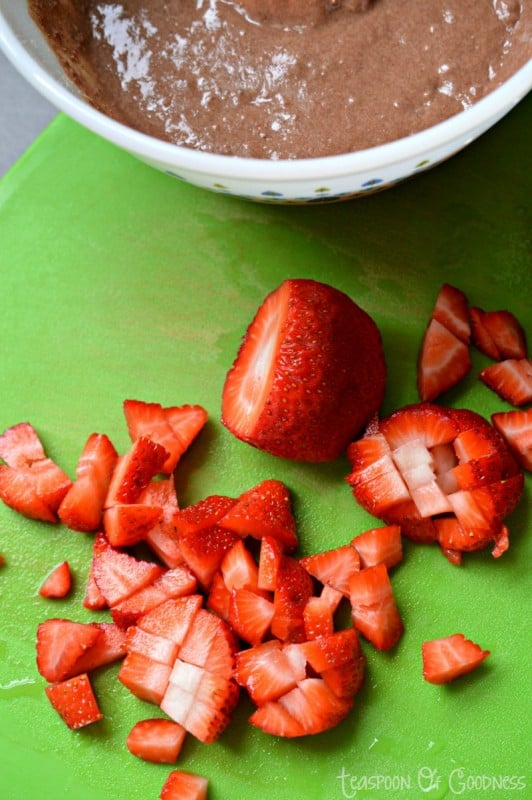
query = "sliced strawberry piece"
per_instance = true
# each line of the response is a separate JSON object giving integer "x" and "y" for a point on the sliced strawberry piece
{"x": 204, "y": 550}
{"x": 157, "y": 648}
{"x": 146, "y": 678}
{"x": 368, "y": 450}
{"x": 158, "y": 740}
{"x": 117, "y": 574}
{"x": 264, "y": 510}
{"x": 209, "y": 643}
{"x": 162, "y": 537}
{"x": 250, "y": 615}
{"x": 431, "y": 424}
{"x": 126, "y": 524}
{"x": 266, "y": 671}
{"x": 498, "y": 334}
{"x": 181, "y": 785}
{"x": 375, "y": 612}
{"x": 269, "y": 559}
{"x": 305, "y": 336}
{"x": 94, "y": 599}
{"x": 443, "y": 361}
{"x": 510, "y": 379}
{"x": 451, "y": 310}
{"x": 174, "y": 427}
{"x": 74, "y": 701}
{"x": 294, "y": 588}
{"x": 332, "y": 597}
{"x": 315, "y": 707}
{"x": 239, "y": 569}
{"x": 34, "y": 492}
{"x": 273, "y": 718}
{"x": 134, "y": 471}
{"x": 318, "y": 618}
{"x": 219, "y": 596}
{"x": 335, "y": 650}
{"x": 516, "y": 428}
{"x": 173, "y": 618}
{"x": 58, "y": 583}
{"x": 204, "y": 514}
{"x": 109, "y": 647}
{"x": 347, "y": 679}
{"x": 379, "y": 546}
{"x": 333, "y": 567}
{"x": 450, "y": 657}
{"x": 20, "y": 446}
{"x": 172, "y": 583}
{"x": 60, "y": 644}
{"x": 82, "y": 507}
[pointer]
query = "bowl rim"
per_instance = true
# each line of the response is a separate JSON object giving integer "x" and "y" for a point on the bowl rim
{"x": 469, "y": 122}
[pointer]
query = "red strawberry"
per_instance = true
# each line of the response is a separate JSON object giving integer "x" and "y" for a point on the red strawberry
{"x": 333, "y": 567}
{"x": 311, "y": 361}
{"x": 146, "y": 678}
{"x": 318, "y": 618}
{"x": 204, "y": 514}
{"x": 443, "y": 361}
{"x": 275, "y": 719}
{"x": 497, "y": 334}
{"x": 510, "y": 379}
{"x": 250, "y": 615}
{"x": 269, "y": 559}
{"x": 94, "y": 599}
{"x": 239, "y": 569}
{"x": 74, "y": 701}
{"x": 219, "y": 596}
{"x": 109, "y": 647}
{"x": 172, "y": 583}
{"x": 35, "y": 491}
{"x": 158, "y": 740}
{"x": 204, "y": 551}
{"x": 294, "y": 588}
{"x": 173, "y": 618}
{"x": 335, "y": 650}
{"x": 267, "y": 672}
{"x": 134, "y": 471}
{"x": 58, "y": 583}
{"x": 375, "y": 612}
{"x": 264, "y": 510}
{"x": 126, "y": 524}
{"x": 379, "y": 546}
{"x": 209, "y": 643}
{"x": 119, "y": 574}
{"x": 175, "y": 427}
{"x": 450, "y": 657}
{"x": 451, "y": 311}
{"x": 516, "y": 428}
{"x": 60, "y": 644}
{"x": 162, "y": 537}
{"x": 184, "y": 786}
{"x": 20, "y": 446}
{"x": 82, "y": 507}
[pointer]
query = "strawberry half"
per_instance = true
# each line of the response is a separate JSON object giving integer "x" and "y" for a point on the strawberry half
{"x": 82, "y": 507}
{"x": 510, "y": 379}
{"x": 159, "y": 740}
{"x": 516, "y": 428}
{"x": 311, "y": 361}
{"x": 448, "y": 658}
{"x": 74, "y": 701}
{"x": 497, "y": 334}
{"x": 58, "y": 583}
{"x": 181, "y": 785}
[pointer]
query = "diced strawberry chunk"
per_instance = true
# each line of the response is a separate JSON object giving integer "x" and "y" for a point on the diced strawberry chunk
{"x": 126, "y": 524}
{"x": 239, "y": 569}
{"x": 314, "y": 706}
{"x": 219, "y": 596}
{"x": 204, "y": 514}
{"x": 109, "y": 647}
{"x": 74, "y": 701}
{"x": 516, "y": 428}
{"x": 318, "y": 618}
{"x": 379, "y": 546}
{"x": 173, "y": 618}
{"x": 269, "y": 559}
{"x": 264, "y": 510}
{"x": 82, "y": 507}
{"x": 335, "y": 650}
{"x": 451, "y": 310}
{"x": 250, "y": 615}
{"x": 58, "y": 583}
{"x": 145, "y": 678}
{"x": 333, "y": 567}
{"x": 158, "y": 740}
{"x": 162, "y": 537}
{"x": 204, "y": 551}
{"x": 60, "y": 644}
{"x": 294, "y": 588}
{"x": 450, "y": 657}
{"x": 273, "y": 718}
{"x": 157, "y": 648}
{"x": 497, "y": 334}
{"x": 375, "y": 612}
{"x": 266, "y": 671}
{"x": 510, "y": 379}
{"x": 443, "y": 361}
{"x": 20, "y": 446}
{"x": 172, "y": 583}
{"x": 118, "y": 574}
{"x": 181, "y": 785}
{"x": 134, "y": 471}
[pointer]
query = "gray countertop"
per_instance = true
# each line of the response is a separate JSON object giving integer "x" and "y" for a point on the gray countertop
{"x": 23, "y": 114}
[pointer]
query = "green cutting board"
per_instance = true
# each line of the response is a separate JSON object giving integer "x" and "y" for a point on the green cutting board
{"x": 119, "y": 282}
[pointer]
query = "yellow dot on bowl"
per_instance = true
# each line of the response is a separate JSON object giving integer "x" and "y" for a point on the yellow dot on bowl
{"x": 422, "y": 163}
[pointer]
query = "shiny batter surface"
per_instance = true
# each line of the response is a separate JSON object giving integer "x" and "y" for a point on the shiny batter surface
{"x": 285, "y": 78}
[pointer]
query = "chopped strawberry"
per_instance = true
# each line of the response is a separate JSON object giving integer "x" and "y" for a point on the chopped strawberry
{"x": 184, "y": 786}
{"x": 162, "y": 537}
{"x": 159, "y": 740}
{"x": 305, "y": 336}
{"x": 126, "y": 524}
{"x": 109, "y": 647}
{"x": 172, "y": 583}
{"x": 173, "y": 618}
{"x": 264, "y": 510}
{"x": 94, "y": 599}
{"x": 318, "y": 618}
{"x": 451, "y": 311}
{"x": 146, "y": 678}
{"x": 204, "y": 550}
{"x": 74, "y": 701}
{"x": 375, "y": 612}
{"x": 294, "y": 588}
{"x": 497, "y": 334}
{"x": 332, "y": 597}
{"x": 35, "y": 491}
{"x": 204, "y": 514}
{"x": 134, "y": 471}
{"x": 58, "y": 583}
{"x": 335, "y": 650}
{"x": 209, "y": 643}
{"x": 174, "y": 427}
{"x": 82, "y": 507}
{"x": 275, "y": 719}
{"x": 516, "y": 428}
{"x": 443, "y": 361}
{"x": 379, "y": 546}
{"x": 450, "y": 657}
{"x": 20, "y": 446}
{"x": 510, "y": 379}
{"x": 250, "y": 615}
{"x": 239, "y": 569}
{"x": 118, "y": 574}
{"x": 60, "y": 644}
{"x": 266, "y": 671}
{"x": 219, "y": 596}
{"x": 269, "y": 559}
{"x": 333, "y": 567}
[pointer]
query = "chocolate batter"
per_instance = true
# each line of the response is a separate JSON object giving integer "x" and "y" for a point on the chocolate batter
{"x": 285, "y": 78}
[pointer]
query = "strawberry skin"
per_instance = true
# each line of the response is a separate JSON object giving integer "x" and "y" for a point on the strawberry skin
{"x": 158, "y": 740}
{"x": 74, "y": 701}
{"x": 448, "y": 658}
{"x": 311, "y": 361}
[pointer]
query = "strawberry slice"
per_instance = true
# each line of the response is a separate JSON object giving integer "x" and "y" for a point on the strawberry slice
{"x": 174, "y": 427}
{"x": 269, "y": 559}
{"x": 162, "y": 537}
{"x": 497, "y": 334}
{"x": 58, "y": 583}
{"x": 264, "y": 510}
{"x": 118, "y": 575}
{"x": 126, "y": 524}
{"x": 36, "y": 491}
{"x": 516, "y": 428}
{"x": 510, "y": 379}
{"x": 60, "y": 644}
{"x": 333, "y": 567}
{"x": 311, "y": 361}
{"x": 82, "y": 507}
{"x": 94, "y": 599}
{"x": 379, "y": 546}
{"x": 74, "y": 701}
{"x": 109, "y": 647}
{"x": 158, "y": 740}
{"x": 292, "y": 592}
{"x": 239, "y": 569}
{"x": 318, "y": 618}
{"x": 134, "y": 471}
{"x": 204, "y": 550}
{"x": 375, "y": 613}
{"x": 181, "y": 785}
{"x": 20, "y": 446}
{"x": 172, "y": 583}
{"x": 443, "y": 361}
{"x": 250, "y": 615}
{"x": 451, "y": 310}
{"x": 450, "y": 657}
{"x": 146, "y": 678}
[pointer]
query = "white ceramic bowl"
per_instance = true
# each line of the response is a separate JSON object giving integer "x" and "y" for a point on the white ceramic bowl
{"x": 296, "y": 181}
